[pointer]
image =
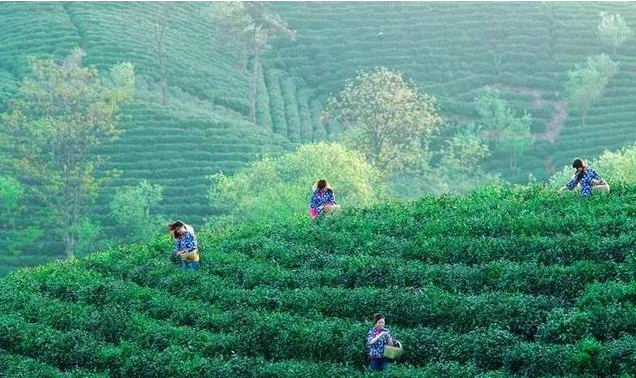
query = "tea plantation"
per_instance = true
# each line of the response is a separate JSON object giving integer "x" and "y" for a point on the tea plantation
{"x": 500, "y": 283}
{"x": 453, "y": 50}
{"x": 203, "y": 128}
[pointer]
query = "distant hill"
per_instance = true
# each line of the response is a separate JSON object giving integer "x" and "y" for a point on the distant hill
{"x": 452, "y": 50}
{"x": 469, "y": 290}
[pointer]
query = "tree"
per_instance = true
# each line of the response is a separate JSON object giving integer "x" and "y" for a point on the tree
{"x": 158, "y": 25}
{"x": 15, "y": 233}
{"x": 248, "y": 28}
{"x": 510, "y": 131}
{"x": 586, "y": 84}
{"x": 456, "y": 168}
{"x": 60, "y": 113}
{"x": 459, "y": 168}
{"x": 613, "y": 31}
{"x": 495, "y": 34}
{"x": 278, "y": 188}
{"x": 388, "y": 120}
{"x": 132, "y": 208}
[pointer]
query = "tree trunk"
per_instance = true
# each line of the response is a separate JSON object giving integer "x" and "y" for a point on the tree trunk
{"x": 254, "y": 87}
{"x": 583, "y": 117}
{"x": 66, "y": 209}
{"x": 69, "y": 248}
{"x": 164, "y": 85}
{"x": 160, "y": 26}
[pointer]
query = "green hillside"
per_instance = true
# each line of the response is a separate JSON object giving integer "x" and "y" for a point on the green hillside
{"x": 500, "y": 283}
{"x": 452, "y": 50}
{"x": 203, "y": 128}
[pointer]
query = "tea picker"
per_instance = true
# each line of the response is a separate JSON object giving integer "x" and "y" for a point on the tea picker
{"x": 186, "y": 251}
{"x": 380, "y": 345}
{"x": 587, "y": 179}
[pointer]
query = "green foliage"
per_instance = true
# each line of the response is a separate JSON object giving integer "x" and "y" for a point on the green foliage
{"x": 460, "y": 162}
{"x": 511, "y": 132}
{"x": 133, "y": 209}
{"x": 613, "y": 31}
{"x": 60, "y": 114}
{"x": 15, "y": 233}
{"x": 248, "y": 27}
{"x": 89, "y": 237}
{"x": 586, "y": 84}
{"x": 280, "y": 188}
{"x": 209, "y": 97}
{"x": 469, "y": 291}
{"x": 617, "y": 167}
{"x": 388, "y": 119}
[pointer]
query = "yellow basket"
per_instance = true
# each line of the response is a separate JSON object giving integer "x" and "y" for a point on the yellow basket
{"x": 192, "y": 256}
{"x": 393, "y": 352}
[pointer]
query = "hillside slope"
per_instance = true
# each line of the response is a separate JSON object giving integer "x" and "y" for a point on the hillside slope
{"x": 203, "y": 130}
{"x": 453, "y": 50}
{"x": 500, "y": 283}
{"x": 204, "y": 127}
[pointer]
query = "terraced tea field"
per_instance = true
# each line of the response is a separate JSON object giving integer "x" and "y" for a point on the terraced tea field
{"x": 501, "y": 283}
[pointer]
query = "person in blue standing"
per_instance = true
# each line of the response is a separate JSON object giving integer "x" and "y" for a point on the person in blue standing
{"x": 377, "y": 338}
{"x": 586, "y": 178}
{"x": 186, "y": 250}
{"x": 323, "y": 200}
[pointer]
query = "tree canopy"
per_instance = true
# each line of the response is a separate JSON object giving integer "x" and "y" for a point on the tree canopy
{"x": 387, "y": 118}
{"x": 60, "y": 113}
{"x": 279, "y": 188}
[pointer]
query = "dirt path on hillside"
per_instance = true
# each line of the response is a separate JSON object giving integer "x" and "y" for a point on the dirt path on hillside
{"x": 556, "y": 123}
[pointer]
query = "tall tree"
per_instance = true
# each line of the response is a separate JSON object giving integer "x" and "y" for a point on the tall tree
{"x": 586, "y": 83}
{"x": 510, "y": 131}
{"x": 462, "y": 154}
{"x": 388, "y": 118}
{"x": 133, "y": 208}
{"x": 458, "y": 167}
{"x": 158, "y": 25}
{"x": 60, "y": 113}
{"x": 248, "y": 28}
{"x": 613, "y": 31}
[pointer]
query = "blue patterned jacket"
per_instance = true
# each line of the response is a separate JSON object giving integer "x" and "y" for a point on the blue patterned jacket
{"x": 376, "y": 350}
{"x": 320, "y": 199}
{"x": 586, "y": 181}
{"x": 187, "y": 243}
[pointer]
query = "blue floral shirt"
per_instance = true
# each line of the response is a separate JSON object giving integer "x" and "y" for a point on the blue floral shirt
{"x": 187, "y": 242}
{"x": 320, "y": 199}
{"x": 586, "y": 182}
{"x": 376, "y": 350}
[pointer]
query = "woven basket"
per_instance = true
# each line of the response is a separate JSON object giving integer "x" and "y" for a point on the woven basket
{"x": 393, "y": 352}
{"x": 189, "y": 256}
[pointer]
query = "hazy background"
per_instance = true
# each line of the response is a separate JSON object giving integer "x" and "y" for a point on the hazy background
{"x": 217, "y": 113}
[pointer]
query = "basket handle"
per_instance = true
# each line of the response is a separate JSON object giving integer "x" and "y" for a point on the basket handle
{"x": 399, "y": 344}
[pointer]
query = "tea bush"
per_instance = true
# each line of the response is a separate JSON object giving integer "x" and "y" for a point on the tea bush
{"x": 500, "y": 283}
